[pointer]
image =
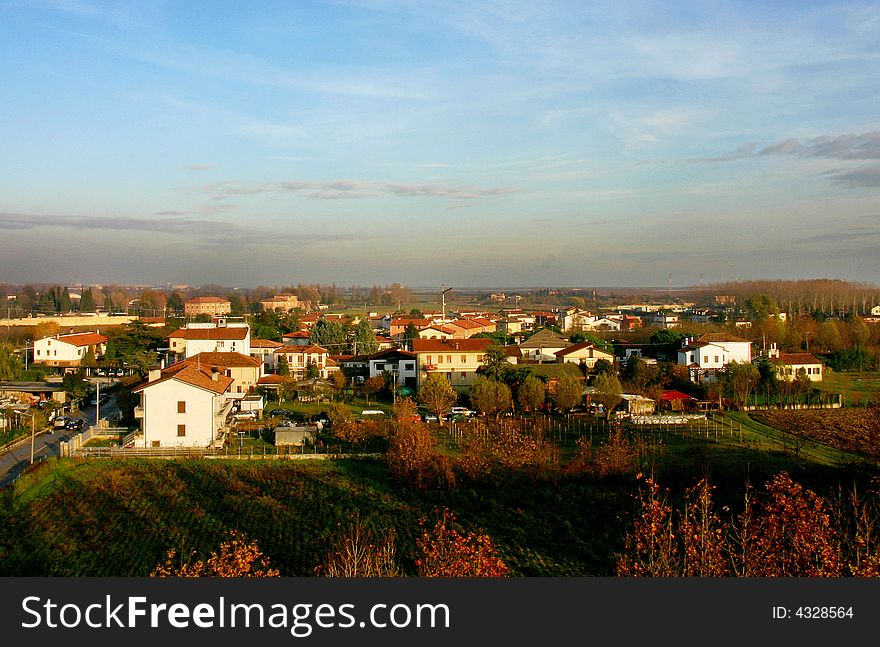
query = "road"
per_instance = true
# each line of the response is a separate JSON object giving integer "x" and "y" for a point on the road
{"x": 46, "y": 443}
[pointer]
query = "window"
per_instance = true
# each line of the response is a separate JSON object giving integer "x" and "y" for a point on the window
{"x": 428, "y": 360}
{"x": 449, "y": 359}
{"x": 407, "y": 366}
{"x": 380, "y": 368}
{"x": 464, "y": 359}
{"x": 463, "y": 376}
{"x": 155, "y": 443}
{"x": 181, "y": 406}
{"x": 439, "y": 359}
{"x": 181, "y": 430}
{"x": 716, "y": 359}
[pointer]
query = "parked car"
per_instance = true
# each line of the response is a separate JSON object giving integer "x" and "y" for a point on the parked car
{"x": 244, "y": 415}
{"x": 279, "y": 412}
{"x": 461, "y": 411}
{"x": 75, "y": 424}
{"x": 60, "y": 422}
{"x": 371, "y": 413}
{"x": 430, "y": 417}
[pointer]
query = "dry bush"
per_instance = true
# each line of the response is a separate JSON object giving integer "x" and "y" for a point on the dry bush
{"x": 236, "y": 558}
{"x": 508, "y": 445}
{"x": 651, "y": 549}
{"x": 361, "y": 431}
{"x": 446, "y": 552}
{"x": 359, "y": 553}
{"x": 618, "y": 456}
{"x": 414, "y": 457}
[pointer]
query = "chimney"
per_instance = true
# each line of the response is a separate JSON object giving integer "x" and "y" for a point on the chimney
{"x": 154, "y": 374}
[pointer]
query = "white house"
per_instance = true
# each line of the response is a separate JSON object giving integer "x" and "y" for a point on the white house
{"x": 788, "y": 365}
{"x": 244, "y": 370}
{"x": 299, "y": 358}
{"x": 264, "y": 351}
{"x": 221, "y": 337}
{"x": 183, "y": 406}
{"x": 709, "y": 353}
{"x": 68, "y": 350}
{"x": 401, "y": 363}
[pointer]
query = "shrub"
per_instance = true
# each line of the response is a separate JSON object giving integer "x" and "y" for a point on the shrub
{"x": 236, "y": 558}
{"x": 446, "y": 552}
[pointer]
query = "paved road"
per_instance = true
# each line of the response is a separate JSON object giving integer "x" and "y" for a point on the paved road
{"x": 46, "y": 443}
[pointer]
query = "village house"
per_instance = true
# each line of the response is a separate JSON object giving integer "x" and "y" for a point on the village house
{"x": 244, "y": 370}
{"x": 69, "y": 350}
{"x": 283, "y": 303}
{"x": 183, "y": 406}
{"x": 457, "y": 359}
{"x": 299, "y": 358}
{"x": 788, "y": 365}
{"x": 583, "y": 354}
{"x": 542, "y": 346}
{"x": 437, "y": 331}
{"x": 706, "y": 355}
{"x": 219, "y": 337}
{"x": 264, "y": 351}
{"x": 400, "y": 363}
{"x": 213, "y": 306}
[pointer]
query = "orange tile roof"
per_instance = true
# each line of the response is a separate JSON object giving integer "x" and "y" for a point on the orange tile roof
{"x": 83, "y": 339}
{"x": 294, "y": 349}
{"x": 229, "y": 360}
{"x": 791, "y": 359}
{"x": 450, "y": 345}
{"x": 720, "y": 337}
{"x": 206, "y": 300}
{"x": 265, "y": 343}
{"x": 192, "y": 376}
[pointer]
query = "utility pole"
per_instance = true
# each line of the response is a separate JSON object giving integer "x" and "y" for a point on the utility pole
{"x": 33, "y": 433}
{"x": 443, "y": 291}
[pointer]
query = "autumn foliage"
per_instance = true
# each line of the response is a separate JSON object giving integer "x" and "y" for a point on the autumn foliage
{"x": 360, "y": 553}
{"x": 785, "y": 530}
{"x": 237, "y": 557}
{"x": 446, "y": 552}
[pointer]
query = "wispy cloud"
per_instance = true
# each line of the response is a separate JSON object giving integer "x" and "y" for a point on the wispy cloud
{"x": 164, "y": 225}
{"x": 200, "y": 167}
{"x": 844, "y": 147}
{"x": 866, "y": 176}
{"x": 353, "y": 189}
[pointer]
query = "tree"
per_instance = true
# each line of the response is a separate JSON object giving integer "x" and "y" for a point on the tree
{"x": 446, "y": 552}
{"x": 531, "y": 394}
{"x": 741, "y": 380}
{"x": 10, "y": 363}
{"x": 411, "y": 332}
{"x": 437, "y": 395}
{"x": 490, "y": 396}
{"x": 87, "y": 302}
{"x": 364, "y": 338}
{"x": 332, "y": 335}
{"x": 312, "y": 371}
{"x": 667, "y": 337}
{"x": 373, "y": 385}
{"x": 608, "y": 393}
{"x": 761, "y": 306}
{"x": 603, "y": 366}
{"x": 495, "y": 363}
{"x": 175, "y": 303}
{"x": 283, "y": 366}
{"x": 569, "y": 392}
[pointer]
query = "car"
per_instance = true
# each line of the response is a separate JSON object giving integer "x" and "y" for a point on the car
{"x": 244, "y": 415}
{"x": 373, "y": 413}
{"x": 279, "y": 412}
{"x": 430, "y": 417}
{"x": 461, "y": 411}
{"x": 75, "y": 424}
{"x": 60, "y": 422}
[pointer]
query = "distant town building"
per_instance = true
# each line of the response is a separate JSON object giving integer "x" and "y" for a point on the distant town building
{"x": 284, "y": 303}
{"x": 68, "y": 350}
{"x": 213, "y": 306}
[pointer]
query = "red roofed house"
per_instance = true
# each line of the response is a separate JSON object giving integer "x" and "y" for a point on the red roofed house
{"x": 214, "y": 306}
{"x": 68, "y": 350}
{"x": 788, "y": 365}
{"x": 244, "y": 370}
{"x": 264, "y": 351}
{"x": 457, "y": 359}
{"x": 183, "y": 406}
{"x": 198, "y": 338}
{"x": 300, "y": 357}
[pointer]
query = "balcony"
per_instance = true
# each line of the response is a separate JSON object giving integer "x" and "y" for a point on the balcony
{"x": 138, "y": 413}
{"x": 430, "y": 367}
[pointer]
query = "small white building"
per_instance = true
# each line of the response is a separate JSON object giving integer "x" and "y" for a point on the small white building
{"x": 183, "y": 406}
{"x": 710, "y": 353}
{"x": 68, "y": 350}
{"x": 401, "y": 363}
{"x": 221, "y": 337}
{"x": 585, "y": 354}
{"x": 788, "y": 365}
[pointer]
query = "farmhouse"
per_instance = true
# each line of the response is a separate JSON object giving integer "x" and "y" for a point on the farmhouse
{"x": 457, "y": 359}
{"x": 68, "y": 350}
{"x": 585, "y": 354}
{"x": 708, "y": 354}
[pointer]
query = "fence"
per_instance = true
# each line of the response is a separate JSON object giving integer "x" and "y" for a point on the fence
{"x": 248, "y": 453}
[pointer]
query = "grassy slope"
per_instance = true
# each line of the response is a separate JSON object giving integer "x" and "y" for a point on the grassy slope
{"x": 119, "y": 518}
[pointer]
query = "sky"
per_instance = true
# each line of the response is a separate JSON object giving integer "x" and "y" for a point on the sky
{"x": 473, "y": 143}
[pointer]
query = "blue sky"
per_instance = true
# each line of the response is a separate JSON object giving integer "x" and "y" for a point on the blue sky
{"x": 468, "y": 143}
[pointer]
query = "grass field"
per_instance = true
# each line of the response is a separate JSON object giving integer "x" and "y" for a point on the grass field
{"x": 857, "y": 388}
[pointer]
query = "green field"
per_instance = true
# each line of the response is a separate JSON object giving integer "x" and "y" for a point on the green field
{"x": 857, "y": 388}
{"x": 101, "y": 517}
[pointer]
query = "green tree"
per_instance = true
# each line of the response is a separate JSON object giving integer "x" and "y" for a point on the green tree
{"x": 364, "y": 338}
{"x": 741, "y": 380}
{"x": 64, "y": 304}
{"x": 490, "y": 396}
{"x": 603, "y": 366}
{"x": 411, "y": 332}
{"x": 87, "y": 302}
{"x": 495, "y": 364}
{"x": 312, "y": 371}
{"x": 332, "y": 335}
{"x": 569, "y": 392}
{"x": 608, "y": 392}
{"x": 437, "y": 395}
{"x": 531, "y": 394}
{"x": 761, "y": 306}
{"x": 175, "y": 303}
{"x": 283, "y": 366}
{"x": 667, "y": 337}
{"x": 11, "y": 366}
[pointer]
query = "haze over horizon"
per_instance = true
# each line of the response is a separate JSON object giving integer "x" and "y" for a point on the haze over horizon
{"x": 488, "y": 143}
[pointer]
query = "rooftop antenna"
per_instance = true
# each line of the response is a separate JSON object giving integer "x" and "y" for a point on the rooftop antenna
{"x": 443, "y": 291}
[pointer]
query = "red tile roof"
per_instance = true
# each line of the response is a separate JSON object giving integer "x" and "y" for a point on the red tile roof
{"x": 293, "y": 349}
{"x": 83, "y": 339}
{"x": 192, "y": 376}
{"x": 450, "y": 345}
{"x": 206, "y": 300}
{"x": 228, "y": 360}
{"x": 265, "y": 343}
{"x": 792, "y": 359}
